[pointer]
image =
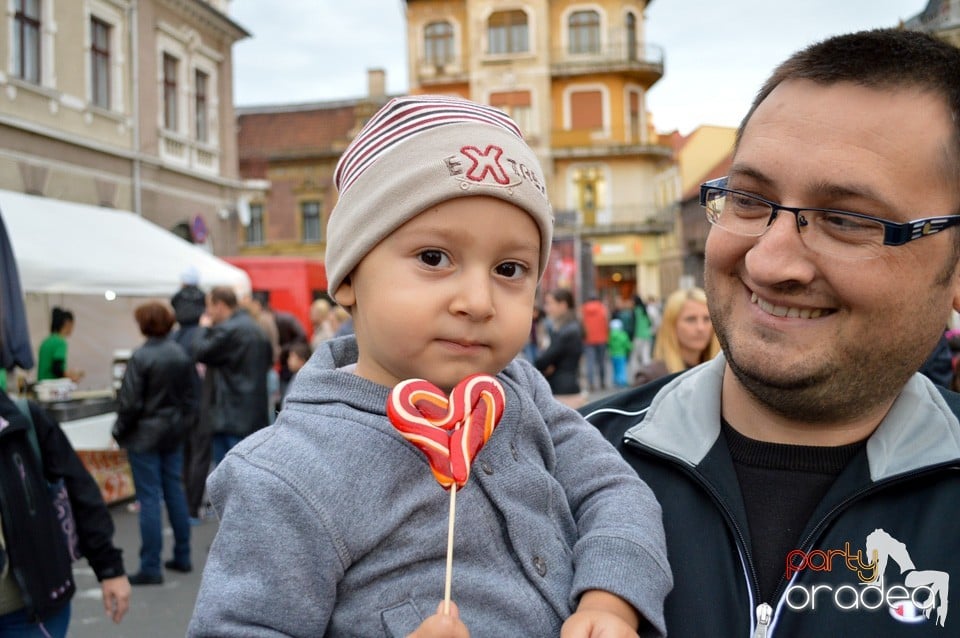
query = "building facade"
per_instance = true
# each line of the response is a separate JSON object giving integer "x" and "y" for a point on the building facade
{"x": 293, "y": 150}
{"x": 125, "y": 104}
{"x": 574, "y": 75}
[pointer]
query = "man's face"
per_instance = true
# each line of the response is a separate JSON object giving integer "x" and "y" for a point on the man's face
{"x": 448, "y": 294}
{"x": 873, "y": 322}
{"x": 217, "y": 310}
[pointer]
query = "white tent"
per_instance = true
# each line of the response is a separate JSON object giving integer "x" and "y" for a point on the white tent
{"x": 76, "y": 255}
{"x": 67, "y": 248}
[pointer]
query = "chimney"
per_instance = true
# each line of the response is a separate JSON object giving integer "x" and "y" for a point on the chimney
{"x": 376, "y": 83}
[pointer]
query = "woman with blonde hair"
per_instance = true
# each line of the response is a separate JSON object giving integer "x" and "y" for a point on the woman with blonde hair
{"x": 685, "y": 339}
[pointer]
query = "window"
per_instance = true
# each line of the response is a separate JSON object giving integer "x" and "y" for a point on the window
{"x": 584, "y": 32}
{"x": 26, "y": 40}
{"x": 632, "y": 53}
{"x": 438, "y": 43}
{"x": 591, "y": 192}
{"x": 586, "y": 110}
{"x": 255, "y": 228}
{"x": 169, "y": 92}
{"x": 100, "y": 63}
{"x": 507, "y": 32}
{"x": 310, "y": 212}
{"x": 635, "y": 133}
{"x": 516, "y": 104}
{"x": 200, "y": 105}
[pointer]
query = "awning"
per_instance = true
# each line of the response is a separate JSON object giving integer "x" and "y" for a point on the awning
{"x": 68, "y": 248}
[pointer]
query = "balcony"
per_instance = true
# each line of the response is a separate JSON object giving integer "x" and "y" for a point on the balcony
{"x": 619, "y": 219}
{"x": 185, "y": 153}
{"x": 432, "y": 72}
{"x": 614, "y": 142}
{"x": 643, "y": 63}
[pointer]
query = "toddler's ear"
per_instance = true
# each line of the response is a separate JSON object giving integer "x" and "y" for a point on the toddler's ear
{"x": 345, "y": 294}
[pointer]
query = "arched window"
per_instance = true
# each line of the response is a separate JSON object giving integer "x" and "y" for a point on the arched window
{"x": 507, "y": 32}
{"x": 631, "y": 39}
{"x": 584, "y": 32}
{"x": 591, "y": 192}
{"x": 438, "y": 43}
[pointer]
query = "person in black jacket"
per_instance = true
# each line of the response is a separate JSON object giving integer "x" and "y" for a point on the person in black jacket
{"x": 237, "y": 354}
{"x": 809, "y": 475}
{"x": 560, "y": 361}
{"x": 189, "y": 304}
{"x": 156, "y": 405}
{"x": 36, "y": 578}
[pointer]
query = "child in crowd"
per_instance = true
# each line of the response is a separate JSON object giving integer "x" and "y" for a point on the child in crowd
{"x": 297, "y": 356}
{"x": 331, "y": 523}
{"x": 298, "y": 353}
{"x": 619, "y": 346}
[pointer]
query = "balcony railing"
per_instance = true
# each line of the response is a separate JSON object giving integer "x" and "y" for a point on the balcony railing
{"x": 441, "y": 71}
{"x": 617, "y": 140}
{"x": 643, "y": 60}
{"x": 619, "y": 219}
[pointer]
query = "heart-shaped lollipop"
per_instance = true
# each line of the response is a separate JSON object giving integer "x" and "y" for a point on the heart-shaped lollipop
{"x": 449, "y": 430}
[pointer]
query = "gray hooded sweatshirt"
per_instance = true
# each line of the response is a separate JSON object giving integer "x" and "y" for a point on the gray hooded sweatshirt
{"x": 331, "y": 524}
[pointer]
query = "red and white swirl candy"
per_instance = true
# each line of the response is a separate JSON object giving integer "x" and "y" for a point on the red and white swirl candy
{"x": 448, "y": 430}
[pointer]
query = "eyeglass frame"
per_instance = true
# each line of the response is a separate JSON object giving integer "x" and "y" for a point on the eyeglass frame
{"x": 894, "y": 233}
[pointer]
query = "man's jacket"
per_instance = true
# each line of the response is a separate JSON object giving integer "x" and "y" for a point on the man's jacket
{"x": 238, "y": 355}
{"x": 880, "y": 554}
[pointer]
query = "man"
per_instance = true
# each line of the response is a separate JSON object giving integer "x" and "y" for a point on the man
{"x": 258, "y": 307}
{"x": 596, "y": 329}
{"x": 809, "y": 476}
{"x": 237, "y": 355}
{"x": 189, "y": 304}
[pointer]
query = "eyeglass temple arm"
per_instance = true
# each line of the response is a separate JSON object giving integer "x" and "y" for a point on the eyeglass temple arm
{"x": 899, "y": 234}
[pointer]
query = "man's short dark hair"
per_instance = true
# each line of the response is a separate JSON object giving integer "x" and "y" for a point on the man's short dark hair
{"x": 225, "y": 295}
{"x": 877, "y": 59}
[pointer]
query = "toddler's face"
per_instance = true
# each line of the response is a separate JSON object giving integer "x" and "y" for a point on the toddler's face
{"x": 448, "y": 294}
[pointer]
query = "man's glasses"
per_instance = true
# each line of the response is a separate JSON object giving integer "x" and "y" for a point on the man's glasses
{"x": 837, "y": 233}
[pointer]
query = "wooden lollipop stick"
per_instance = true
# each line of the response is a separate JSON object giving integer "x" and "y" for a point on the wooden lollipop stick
{"x": 449, "y": 578}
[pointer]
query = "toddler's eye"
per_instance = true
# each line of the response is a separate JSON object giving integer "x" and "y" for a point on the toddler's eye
{"x": 511, "y": 270}
{"x": 433, "y": 258}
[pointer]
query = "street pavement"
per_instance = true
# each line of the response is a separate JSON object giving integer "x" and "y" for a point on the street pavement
{"x": 156, "y": 611}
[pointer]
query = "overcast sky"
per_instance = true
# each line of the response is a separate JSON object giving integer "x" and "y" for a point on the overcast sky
{"x": 717, "y": 53}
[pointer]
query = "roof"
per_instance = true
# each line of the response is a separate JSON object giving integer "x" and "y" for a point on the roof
{"x": 63, "y": 247}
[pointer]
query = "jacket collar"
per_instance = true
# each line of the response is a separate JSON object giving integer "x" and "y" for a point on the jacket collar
{"x": 683, "y": 422}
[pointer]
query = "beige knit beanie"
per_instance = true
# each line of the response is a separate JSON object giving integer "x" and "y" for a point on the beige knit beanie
{"x": 419, "y": 151}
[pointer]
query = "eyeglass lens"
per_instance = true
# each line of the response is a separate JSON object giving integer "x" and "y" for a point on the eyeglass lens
{"x": 827, "y": 232}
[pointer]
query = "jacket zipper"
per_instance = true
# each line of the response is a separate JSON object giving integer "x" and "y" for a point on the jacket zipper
{"x": 764, "y": 614}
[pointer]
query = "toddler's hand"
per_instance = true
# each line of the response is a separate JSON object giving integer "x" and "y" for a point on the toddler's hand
{"x": 601, "y": 615}
{"x": 441, "y": 625}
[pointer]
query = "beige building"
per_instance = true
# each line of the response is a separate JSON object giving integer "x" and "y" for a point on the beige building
{"x": 574, "y": 75}
{"x": 125, "y": 104}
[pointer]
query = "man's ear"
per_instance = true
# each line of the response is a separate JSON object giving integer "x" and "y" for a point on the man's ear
{"x": 345, "y": 294}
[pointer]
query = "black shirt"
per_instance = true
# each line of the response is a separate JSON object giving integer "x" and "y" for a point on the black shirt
{"x": 781, "y": 486}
